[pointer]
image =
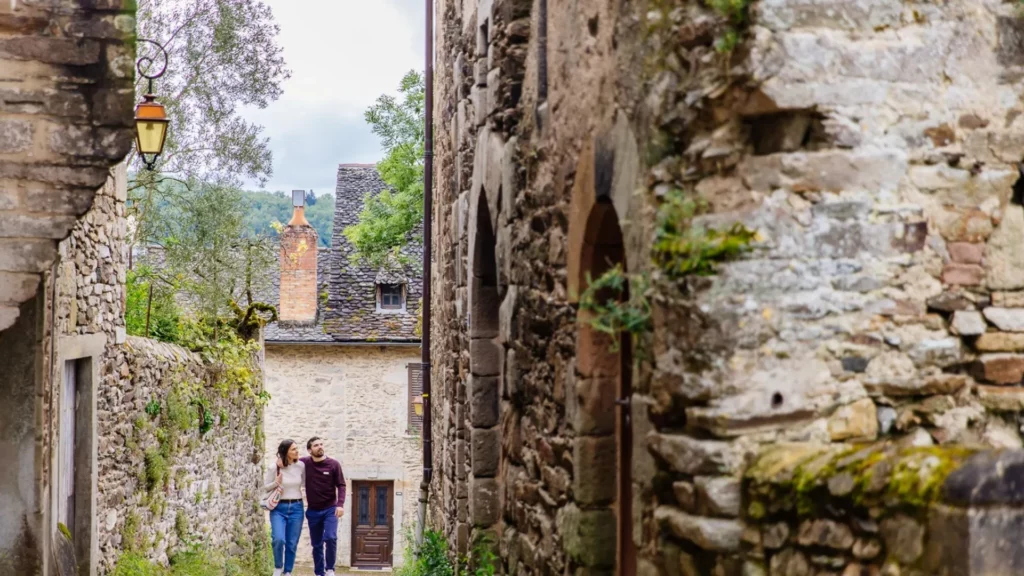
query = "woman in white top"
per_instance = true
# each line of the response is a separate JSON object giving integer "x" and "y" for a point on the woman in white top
{"x": 286, "y": 519}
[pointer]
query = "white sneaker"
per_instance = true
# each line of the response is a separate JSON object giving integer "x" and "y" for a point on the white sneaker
{"x": 330, "y": 573}
{"x": 278, "y": 571}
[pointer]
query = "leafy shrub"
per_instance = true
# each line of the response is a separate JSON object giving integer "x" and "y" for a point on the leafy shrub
{"x": 153, "y": 408}
{"x": 610, "y": 312}
{"x": 156, "y": 469}
{"x": 164, "y": 313}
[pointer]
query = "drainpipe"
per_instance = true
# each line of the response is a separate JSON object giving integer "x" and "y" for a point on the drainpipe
{"x": 428, "y": 207}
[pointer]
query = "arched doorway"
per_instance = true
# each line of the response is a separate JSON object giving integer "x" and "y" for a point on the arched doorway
{"x": 604, "y": 386}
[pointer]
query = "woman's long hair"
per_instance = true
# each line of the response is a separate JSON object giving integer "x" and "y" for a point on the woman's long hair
{"x": 282, "y": 451}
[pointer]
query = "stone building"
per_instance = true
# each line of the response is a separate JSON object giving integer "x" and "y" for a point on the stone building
{"x": 342, "y": 363}
{"x": 863, "y": 157}
{"x": 66, "y": 101}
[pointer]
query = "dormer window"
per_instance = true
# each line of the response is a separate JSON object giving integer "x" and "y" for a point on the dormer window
{"x": 391, "y": 297}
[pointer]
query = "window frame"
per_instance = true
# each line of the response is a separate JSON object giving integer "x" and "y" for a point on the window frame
{"x": 391, "y": 309}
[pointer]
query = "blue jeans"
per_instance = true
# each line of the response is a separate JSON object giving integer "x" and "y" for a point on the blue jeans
{"x": 323, "y": 533}
{"x": 285, "y": 529}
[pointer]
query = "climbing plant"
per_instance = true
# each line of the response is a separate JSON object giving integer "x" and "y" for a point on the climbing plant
{"x": 617, "y": 303}
{"x": 735, "y": 13}
{"x": 682, "y": 248}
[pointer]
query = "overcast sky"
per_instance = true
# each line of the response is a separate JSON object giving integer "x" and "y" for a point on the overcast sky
{"x": 343, "y": 54}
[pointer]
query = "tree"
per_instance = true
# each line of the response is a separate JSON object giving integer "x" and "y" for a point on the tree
{"x": 209, "y": 253}
{"x": 389, "y": 220}
{"x": 222, "y": 55}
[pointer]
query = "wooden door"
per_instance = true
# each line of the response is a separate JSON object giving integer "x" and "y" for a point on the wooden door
{"x": 372, "y": 523}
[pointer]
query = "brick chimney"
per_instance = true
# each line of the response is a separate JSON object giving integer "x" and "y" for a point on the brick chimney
{"x": 298, "y": 266}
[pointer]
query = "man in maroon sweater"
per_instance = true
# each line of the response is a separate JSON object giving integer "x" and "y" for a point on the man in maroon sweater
{"x": 325, "y": 499}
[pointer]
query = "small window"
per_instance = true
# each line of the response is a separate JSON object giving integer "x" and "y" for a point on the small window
{"x": 391, "y": 296}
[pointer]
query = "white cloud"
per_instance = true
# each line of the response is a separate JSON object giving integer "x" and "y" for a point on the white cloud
{"x": 343, "y": 54}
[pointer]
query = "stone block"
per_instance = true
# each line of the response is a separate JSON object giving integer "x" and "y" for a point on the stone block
{"x": 963, "y": 274}
{"x": 834, "y": 170}
{"x": 1006, "y": 319}
{"x": 51, "y": 50}
{"x": 903, "y": 537}
{"x": 596, "y": 401}
{"x": 950, "y": 302}
{"x": 1000, "y": 368}
{"x": 825, "y": 533}
{"x": 714, "y": 534}
{"x": 971, "y": 226}
{"x": 16, "y": 136}
{"x": 483, "y": 310}
{"x": 1000, "y": 342}
{"x": 1008, "y": 299}
{"x": 507, "y": 314}
{"x": 686, "y": 495}
{"x": 966, "y": 253}
{"x": 1001, "y": 398}
{"x": 594, "y": 355}
{"x": 718, "y": 495}
{"x": 478, "y": 96}
{"x": 942, "y": 352}
{"x": 687, "y": 455}
{"x": 486, "y": 444}
{"x": 594, "y": 469}
{"x": 917, "y": 386}
{"x": 857, "y": 421}
{"x": 480, "y": 74}
{"x": 1004, "y": 260}
{"x": 588, "y": 536}
{"x": 968, "y": 323}
{"x": 483, "y": 403}
{"x": 483, "y": 502}
{"x": 484, "y": 357}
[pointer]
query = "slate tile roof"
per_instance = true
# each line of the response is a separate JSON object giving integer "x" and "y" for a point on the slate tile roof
{"x": 347, "y": 302}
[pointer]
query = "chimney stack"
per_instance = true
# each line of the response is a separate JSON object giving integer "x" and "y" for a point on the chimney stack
{"x": 298, "y": 266}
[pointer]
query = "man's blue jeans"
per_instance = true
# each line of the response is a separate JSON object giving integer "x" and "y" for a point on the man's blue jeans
{"x": 323, "y": 533}
{"x": 285, "y": 530}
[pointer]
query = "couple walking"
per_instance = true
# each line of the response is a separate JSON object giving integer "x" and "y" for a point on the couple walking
{"x": 324, "y": 483}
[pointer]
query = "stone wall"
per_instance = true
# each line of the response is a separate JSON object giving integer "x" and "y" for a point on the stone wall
{"x": 356, "y": 398}
{"x": 66, "y": 101}
{"x": 166, "y": 482}
{"x": 872, "y": 147}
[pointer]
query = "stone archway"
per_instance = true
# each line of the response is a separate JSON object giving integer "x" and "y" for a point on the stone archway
{"x": 485, "y": 367}
{"x": 603, "y": 452}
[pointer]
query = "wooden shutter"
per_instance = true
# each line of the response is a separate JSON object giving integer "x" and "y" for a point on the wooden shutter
{"x": 415, "y": 390}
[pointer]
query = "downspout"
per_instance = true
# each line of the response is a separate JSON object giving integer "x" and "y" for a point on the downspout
{"x": 428, "y": 208}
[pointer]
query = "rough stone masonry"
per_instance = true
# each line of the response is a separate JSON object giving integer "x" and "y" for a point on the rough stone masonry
{"x": 66, "y": 73}
{"x": 873, "y": 146}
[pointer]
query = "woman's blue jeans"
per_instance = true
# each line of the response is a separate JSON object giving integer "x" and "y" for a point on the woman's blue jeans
{"x": 285, "y": 528}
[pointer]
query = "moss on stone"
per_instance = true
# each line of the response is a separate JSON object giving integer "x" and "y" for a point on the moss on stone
{"x": 796, "y": 477}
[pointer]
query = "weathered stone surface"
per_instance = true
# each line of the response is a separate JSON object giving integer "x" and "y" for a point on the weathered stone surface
{"x": 963, "y": 274}
{"x": 1004, "y": 261}
{"x": 718, "y": 496}
{"x": 791, "y": 562}
{"x": 831, "y": 170}
{"x": 904, "y": 538}
{"x": 1001, "y": 398}
{"x": 483, "y": 501}
{"x": 775, "y": 536}
{"x": 854, "y": 421}
{"x": 966, "y": 252}
{"x": 1000, "y": 368}
{"x": 914, "y": 386}
{"x": 588, "y": 535}
{"x": 594, "y": 459}
{"x": 825, "y": 533}
{"x": 486, "y": 452}
{"x": 688, "y": 455}
{"x": 950, "y": 302}
{"x": 1006, "y": 319}
{"x": 1008, "y": 299}
{"x": 968, "y": 323}
{"x": 483, "y": 410}
{"x": 707, "y": 533}
{"x": 1000, "y": 342}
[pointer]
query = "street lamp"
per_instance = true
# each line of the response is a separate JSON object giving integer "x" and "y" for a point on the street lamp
{"x": 417, "y": 405}
{"x": 150, "y": 117}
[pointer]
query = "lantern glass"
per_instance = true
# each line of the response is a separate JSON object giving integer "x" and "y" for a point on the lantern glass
{"x": 150, "y": 135}
{"x": 417, "y": 405}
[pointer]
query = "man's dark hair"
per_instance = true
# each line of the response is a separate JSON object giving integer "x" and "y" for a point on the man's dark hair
{"x": 309, "y": 443}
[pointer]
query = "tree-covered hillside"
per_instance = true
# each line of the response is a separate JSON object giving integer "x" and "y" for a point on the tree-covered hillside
{"x": 267, "y": 207}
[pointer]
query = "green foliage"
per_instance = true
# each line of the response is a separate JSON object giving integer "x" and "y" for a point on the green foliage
{"x": 229, "y": 355}
{"x": 130, "y": 536}
{"x": 389, "y": 218}
{"x": 430, "y": 560}
{"x": 64, "y": 530}
{"x": 223, "y": 56}
{"x": 181, "y": 525}
{"x": 223, "y": 420}
{"x": 135, "y": 564}
{"x": 616, "y": 303}
{"x": 266, "y": 208}
{"x": 482, "y": 560}
{"x": 164, "y": 313}
{"x": 682, "y": 249}
{"x": 156, "y": 469}
{"x": 735, "y": 12}
{"x": 153, "y": 408}
{"x": 198, "y": 561}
